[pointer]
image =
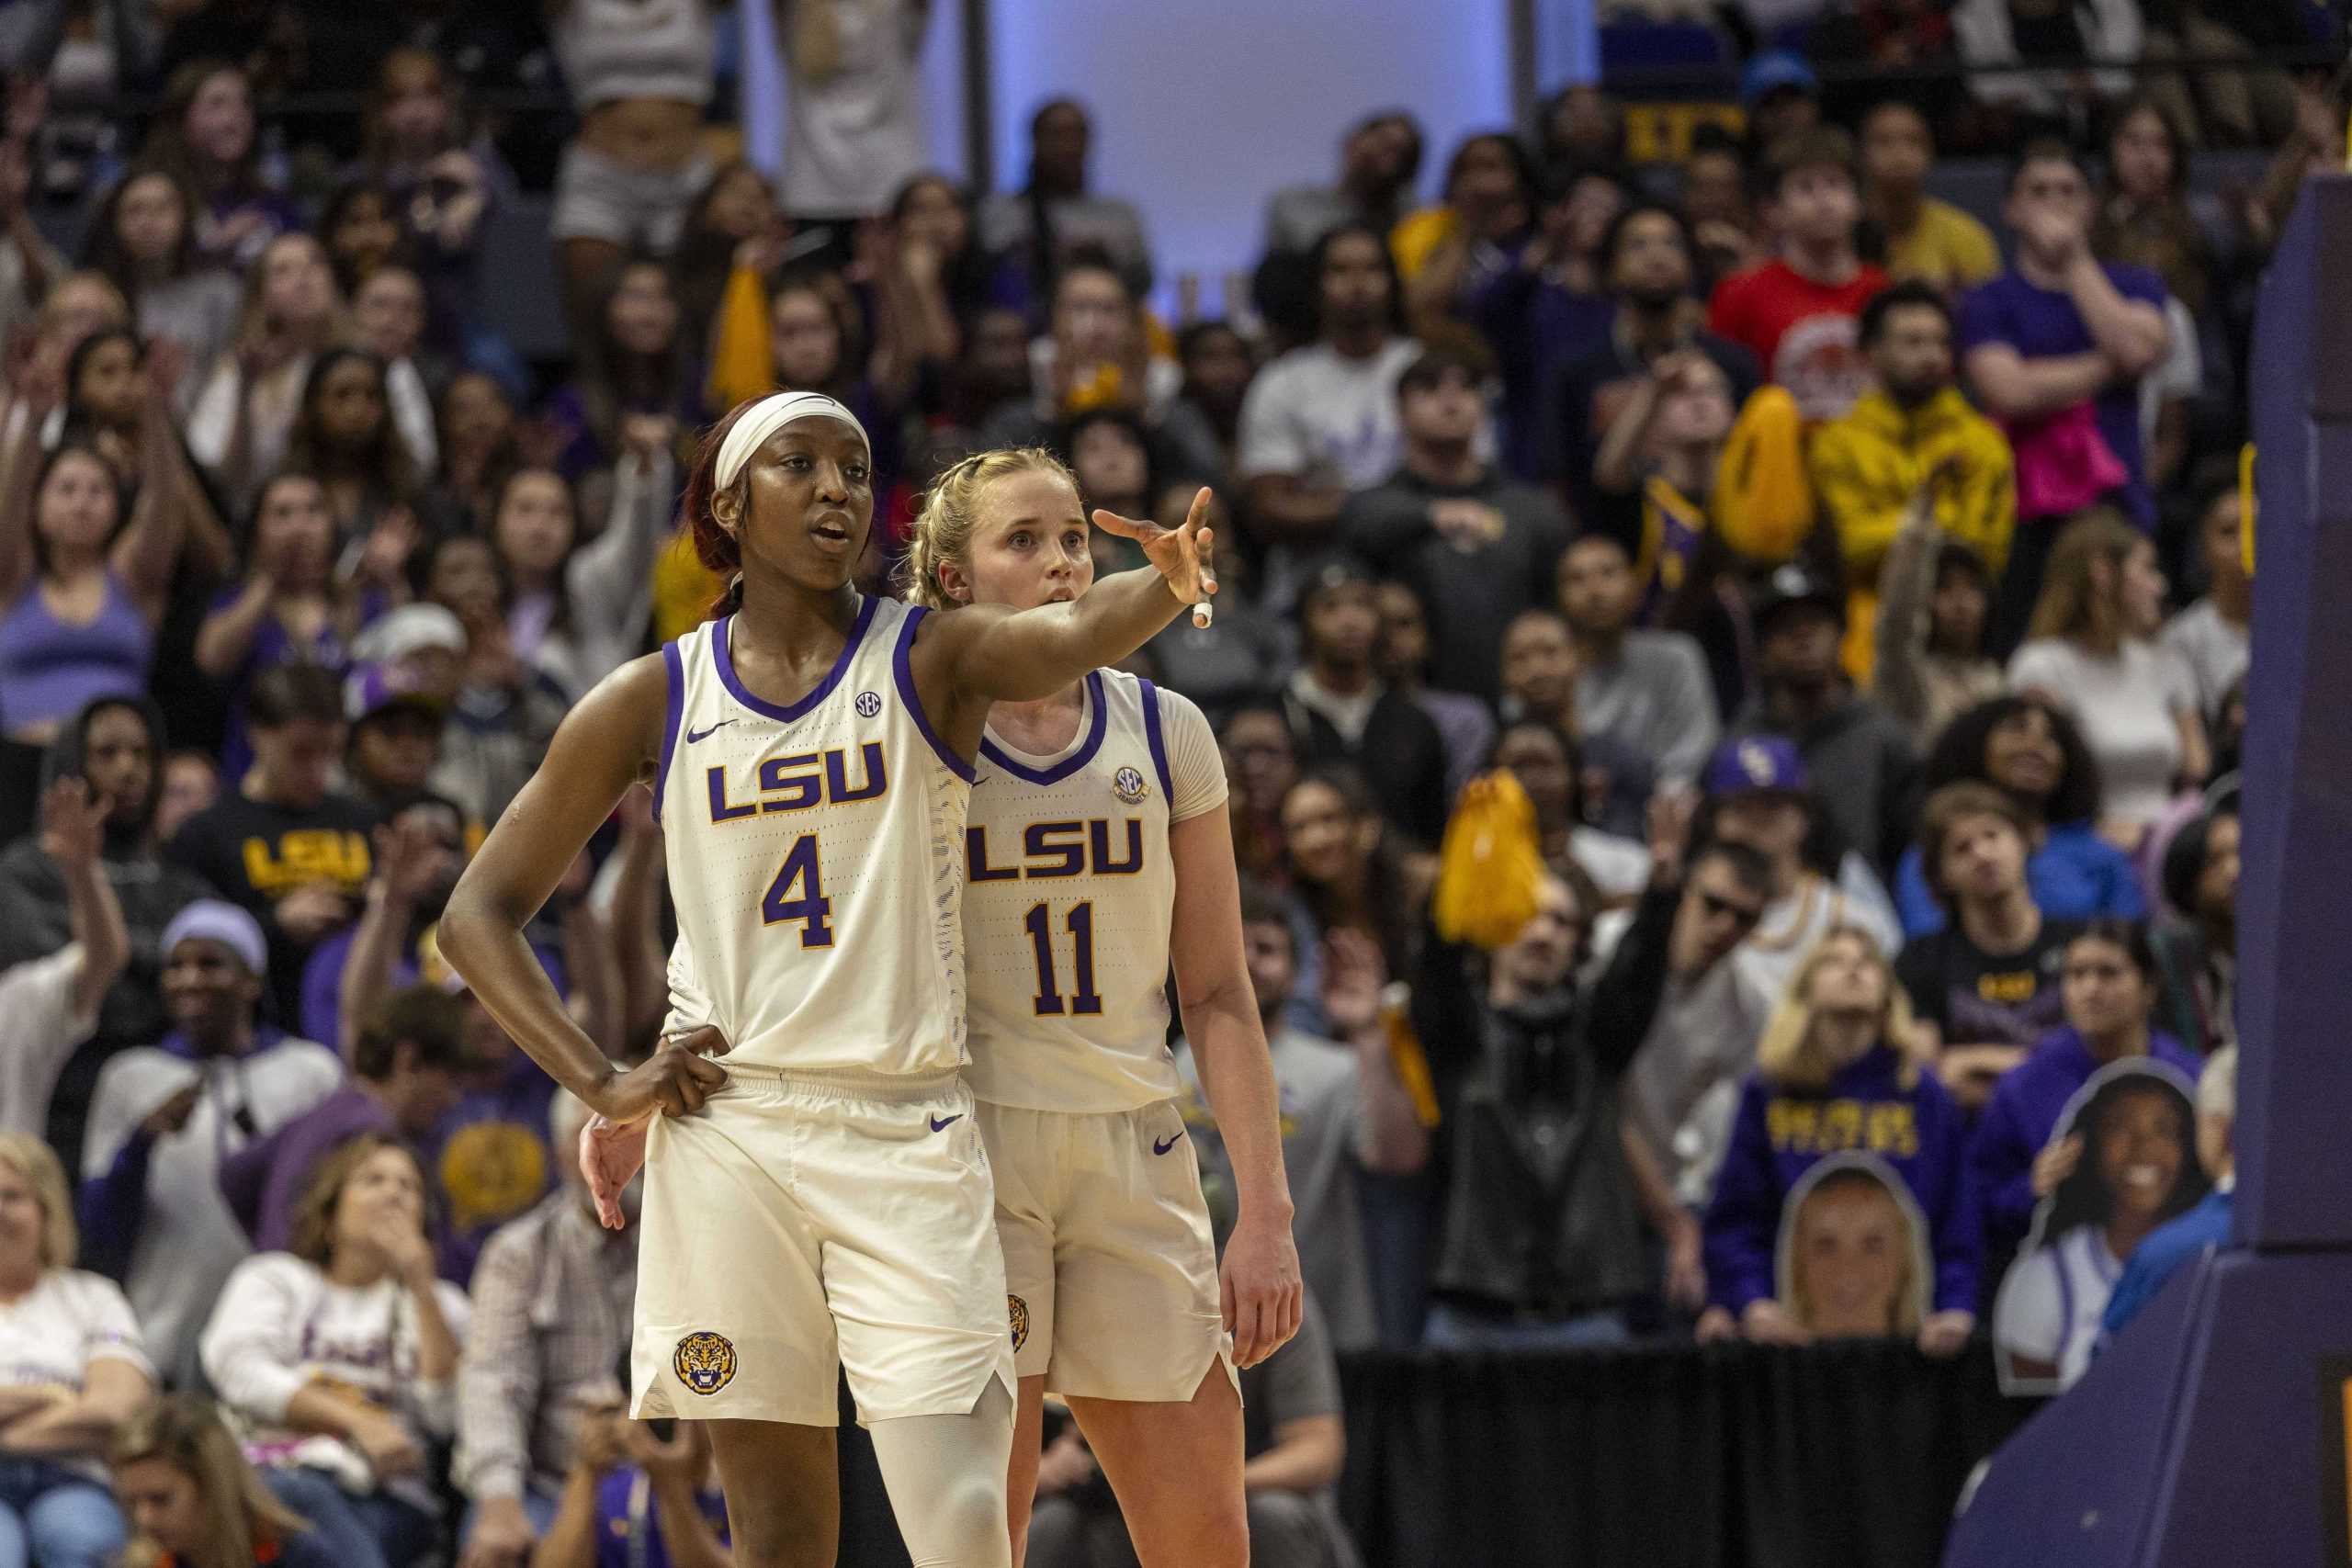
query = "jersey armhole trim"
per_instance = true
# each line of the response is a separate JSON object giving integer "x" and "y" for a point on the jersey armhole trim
{"x": 674, "y": 707}
{"x": 1155, "y": 740}
{"x": 902, "y": 673}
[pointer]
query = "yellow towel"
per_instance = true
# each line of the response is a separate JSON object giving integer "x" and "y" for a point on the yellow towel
{"x": 1490, "y": 868}
{"x": 1763, "y": 500}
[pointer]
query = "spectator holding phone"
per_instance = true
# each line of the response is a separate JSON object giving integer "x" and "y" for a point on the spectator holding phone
{"x": 635, "y": 1499}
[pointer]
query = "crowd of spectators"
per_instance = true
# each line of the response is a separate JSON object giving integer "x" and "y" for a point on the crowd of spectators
{"x": 1856, "y": 601}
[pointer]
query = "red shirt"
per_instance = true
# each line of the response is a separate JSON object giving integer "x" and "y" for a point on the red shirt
{"x": 1804, "y": 334}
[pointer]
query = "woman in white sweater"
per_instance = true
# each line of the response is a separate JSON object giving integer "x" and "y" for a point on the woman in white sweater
{"x": 342, "y": 1356}
{"x": 71, "y": 1372}
{"x": 2089, "y": 650}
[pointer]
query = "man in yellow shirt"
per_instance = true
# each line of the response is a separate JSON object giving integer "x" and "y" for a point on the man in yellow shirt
{"x": 1911, "y": 429}
{"x": 1927, "y": 241}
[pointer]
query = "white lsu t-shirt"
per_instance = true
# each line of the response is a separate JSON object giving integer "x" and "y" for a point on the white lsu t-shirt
{"x": 281, "y": 1326}
{"x": 68, "y": 1320}
{"x": 1069, "y": 892}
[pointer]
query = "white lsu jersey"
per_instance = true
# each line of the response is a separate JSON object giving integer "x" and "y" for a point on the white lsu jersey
{"x": 1069, "y": 892}
{"x": 813, "y": 857}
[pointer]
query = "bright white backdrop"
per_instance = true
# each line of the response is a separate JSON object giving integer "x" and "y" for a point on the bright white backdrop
{"x": 1204, "y": 107}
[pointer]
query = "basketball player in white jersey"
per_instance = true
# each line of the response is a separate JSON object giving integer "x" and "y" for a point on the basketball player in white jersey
{"x": 823, "y": 1202}
{"x": 1096, "y": 850}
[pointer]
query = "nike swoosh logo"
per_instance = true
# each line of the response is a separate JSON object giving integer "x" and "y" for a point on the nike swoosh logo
{"x": 695, "y": 735}
{"x": 941, "y": 1124}
{"x": 1159, "y": 1148}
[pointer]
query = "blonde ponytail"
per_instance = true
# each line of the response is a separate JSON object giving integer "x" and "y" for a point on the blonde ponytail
{"x": 943, "y": 529}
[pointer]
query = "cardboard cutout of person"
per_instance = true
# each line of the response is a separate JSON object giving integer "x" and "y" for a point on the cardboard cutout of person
{"x": 1852, "y": 1262}
{"x": 2135, "y": 1127}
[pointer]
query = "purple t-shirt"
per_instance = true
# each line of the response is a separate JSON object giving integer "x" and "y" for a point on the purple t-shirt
{"x": 2045, "y": 323}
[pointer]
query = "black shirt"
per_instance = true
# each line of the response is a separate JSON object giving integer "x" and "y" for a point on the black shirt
{"x": 255, "y": 853}
{"x": 1977, "y": 997}
{"x": 1473, "y": 589}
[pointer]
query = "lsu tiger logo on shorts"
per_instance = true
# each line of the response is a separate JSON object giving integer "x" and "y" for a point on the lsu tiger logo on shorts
{"x": 1019, "y": 1321}
{"x": 1129, "y": 785}
{"x": 705, "y": 1362}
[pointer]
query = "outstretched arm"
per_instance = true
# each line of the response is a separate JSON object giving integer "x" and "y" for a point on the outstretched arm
{"x": 987, "y": 653}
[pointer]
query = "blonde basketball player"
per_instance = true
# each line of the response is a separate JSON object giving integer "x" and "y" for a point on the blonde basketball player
{"x": 1097, "y": 851}
{"x": 824, "y": 1200}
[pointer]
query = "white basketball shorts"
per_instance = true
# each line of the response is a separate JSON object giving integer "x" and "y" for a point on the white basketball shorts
{"x": 1107, "y": 1251}
{"x": 804, "y": 1223}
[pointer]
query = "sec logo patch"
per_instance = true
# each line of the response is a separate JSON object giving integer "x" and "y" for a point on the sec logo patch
{"x": 869, "y": 704}
{"x": 1019, "y": 1321}
{"x": 1129, "y": 785}
{"x": 703, "y": 1362}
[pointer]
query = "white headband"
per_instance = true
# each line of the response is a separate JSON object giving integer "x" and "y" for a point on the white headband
{"x": 766, "y": 417}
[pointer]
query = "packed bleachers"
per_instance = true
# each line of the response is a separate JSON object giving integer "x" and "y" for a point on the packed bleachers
{"x": 1793, "y": 522}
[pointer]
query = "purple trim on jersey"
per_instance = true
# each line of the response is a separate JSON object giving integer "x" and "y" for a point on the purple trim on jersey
{"x": 2065, "y": 1308}
{"x": 674, "y": 706}
{"x": 904, "y": 674}
{"x": 1158, "y": 744}
{"x": 1068, "y": 765}
{"x": 724, "y": 659}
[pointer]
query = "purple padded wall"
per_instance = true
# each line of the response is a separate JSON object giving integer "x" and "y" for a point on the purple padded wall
{"x": 2295, "y": 987}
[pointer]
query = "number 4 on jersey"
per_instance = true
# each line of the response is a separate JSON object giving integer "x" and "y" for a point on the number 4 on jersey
{"x": 811, "y": 907}
{"x": 1040, "y": 926}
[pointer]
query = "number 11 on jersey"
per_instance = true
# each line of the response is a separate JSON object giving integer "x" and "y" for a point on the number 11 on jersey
{"x": 1039, "y": 923}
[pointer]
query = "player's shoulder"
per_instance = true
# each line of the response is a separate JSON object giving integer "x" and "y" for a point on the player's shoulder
{"x": 643, "y": 678}
{"x": 625, "y": 711}
{"x": 1162, "y": 704}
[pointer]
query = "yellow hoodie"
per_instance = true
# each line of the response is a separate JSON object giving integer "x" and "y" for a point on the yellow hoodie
{"x": 1868, "y": 465}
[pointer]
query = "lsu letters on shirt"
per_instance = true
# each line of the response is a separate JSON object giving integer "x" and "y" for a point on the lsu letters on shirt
{"x": 1069, "y": 892}
{"x": 815, "y": 858}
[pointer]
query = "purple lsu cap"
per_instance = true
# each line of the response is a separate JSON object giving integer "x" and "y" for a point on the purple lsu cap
{"x": 1752, "y": 764}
